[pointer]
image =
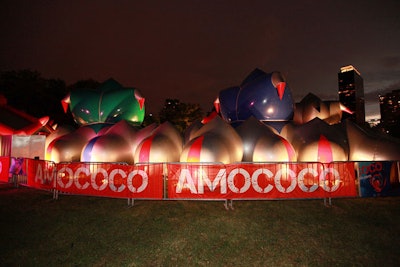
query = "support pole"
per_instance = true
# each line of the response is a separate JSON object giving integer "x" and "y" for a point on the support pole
{"x": 165, "y": 180}
{"x": 228, "y": 204}
{"x": 131, "y": 202}
{"x": 55, "y": 194}
{"x": 329, "y": 200}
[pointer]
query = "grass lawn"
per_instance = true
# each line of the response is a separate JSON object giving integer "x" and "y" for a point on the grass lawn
{"x": 36, "y": 230}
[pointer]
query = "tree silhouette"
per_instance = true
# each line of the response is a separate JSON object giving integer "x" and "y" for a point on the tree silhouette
{"x": 26, "y": 90}
{"x": 84, "y": 84}
{"x": 180, "y": 114}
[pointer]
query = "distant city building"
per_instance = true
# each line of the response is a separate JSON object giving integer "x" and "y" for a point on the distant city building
{"x": 351, "y": 93}
{"x": 374, "y": 122}
{"x": 390, "y": 112}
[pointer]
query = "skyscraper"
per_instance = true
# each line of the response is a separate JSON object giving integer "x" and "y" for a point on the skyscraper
{"x": 351, "y": 93}
{"x": 390, "y": 112}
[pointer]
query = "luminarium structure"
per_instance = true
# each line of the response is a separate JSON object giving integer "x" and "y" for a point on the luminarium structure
{"x": 256, "y": 121}
{"x": 108, "y": 117}
{"x": 264, "y": 96}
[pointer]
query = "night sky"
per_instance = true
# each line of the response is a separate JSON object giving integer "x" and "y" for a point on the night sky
{"x": 190, "y": 50}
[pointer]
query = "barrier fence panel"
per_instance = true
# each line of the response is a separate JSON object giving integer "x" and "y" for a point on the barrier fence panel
{"x": 211, "y": 181}
{"x": 196, "y": 181}
{"x": 4, "y": 168}
{"x": 13, "y": 170}
{"x": 41, "y": 174}
{"x": 378, "y": 178}
{"x": 261, "y": 180}
{"x": 111, "y": 180}
{"x": 340, "y": 179}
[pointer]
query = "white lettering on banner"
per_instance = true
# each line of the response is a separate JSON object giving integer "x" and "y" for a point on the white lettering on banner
{"x": 220, "y": 178}
{"x": 254, "y": 180}
{"x": 186, "y": 176}
{"x": 231, "y": 181}
{"x": 325, "y": 183}
{"x": 108, "y": 179}
{"x": 289, "y": 175}
{"x": 111, "y": 180}
{"x": 104, "y": 181}
{"x": 185, "y": 180}
{"x": 39, "y": 174}
{"x": 196, "y": 181}
{"x": 44, "y": 177}
{"x": 145, "y": 181}
{"x": 61, "y": 175}
{"x": 300, "y": 180}
{"x": 86, "y": 172}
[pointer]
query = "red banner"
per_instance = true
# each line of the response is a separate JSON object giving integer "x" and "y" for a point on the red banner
{"x": 101, "y": 179}
{"x": 41, "y": 174}
{"x": 261, "y": 181}
{"x": 4, "y": 169}
{"x": 193, "y": 180}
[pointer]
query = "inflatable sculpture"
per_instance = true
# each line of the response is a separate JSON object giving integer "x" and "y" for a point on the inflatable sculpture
{"x": 164, "y": 144}
{"x": 215, "y": 141}
{"x": 18, "y": 122}
{"x": 264, "y": 144}
{"x": 264, "y": 96}
{"x": 114, "y": 144}
{"x": 257, "y": 121}
{"x": 275, "y": 129}
{"x": 109, "y": 117}
{"x": 110, "y": 103}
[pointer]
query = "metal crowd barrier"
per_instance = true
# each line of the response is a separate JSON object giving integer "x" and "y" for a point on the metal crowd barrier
{"x": 22, "y": 179}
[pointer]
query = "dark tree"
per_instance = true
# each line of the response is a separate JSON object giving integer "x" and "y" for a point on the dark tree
{"x": 26, "y": 90}
{"x": 84, "y": 84}
{"x": 181, "y": 115}
{"x": 150, "y": 119}
{"x": 22, "y": 89}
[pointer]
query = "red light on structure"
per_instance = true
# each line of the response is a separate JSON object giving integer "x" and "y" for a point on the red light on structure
{"x": 345, "y": 109}
{"x": 139, "y": 99}
{"x": 195, "y": 150}
{"x": 217, "y": 105}
{"x": 280, "y": 87}
{"x": 289, "y": 149}
{"x": 324, "y": 150}
{"x": 207, "y": 119}
{"x": 145, "y": 149}
{"x": 65, "y": 102}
